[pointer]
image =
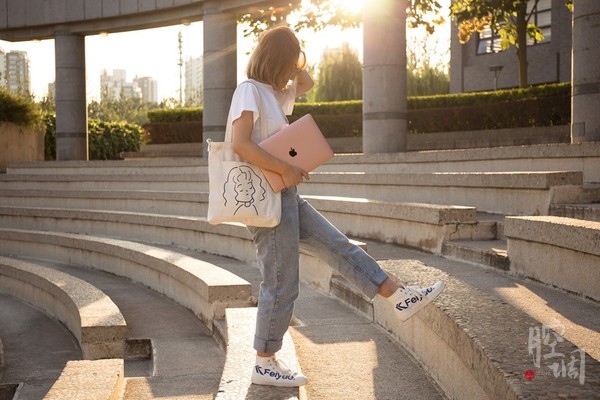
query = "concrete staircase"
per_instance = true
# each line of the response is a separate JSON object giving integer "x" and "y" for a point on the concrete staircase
{"x": 469, "y": 217}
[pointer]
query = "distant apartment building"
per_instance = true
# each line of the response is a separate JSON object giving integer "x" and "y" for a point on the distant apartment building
{"x": 148, "y": 88}
{"x": 116, "y": 87}
{"x": 193, "y": 81}
{"x": 14, "y": 72}
{"x": 2, "y": 68}
{"x": 480, "y": 64}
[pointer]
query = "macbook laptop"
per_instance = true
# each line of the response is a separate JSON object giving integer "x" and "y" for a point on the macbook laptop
{"x": 301, "y": 144}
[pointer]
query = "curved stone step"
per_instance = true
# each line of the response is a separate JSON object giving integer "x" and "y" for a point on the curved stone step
{"x": 110, "y": 167}
{"x": 179, "y": 340}
{"x": 202, "y": 287}
{"x": 425, "y": 226}
{"x": 98, "y": 379}
{"x": 90, "y": 315}
{"x": 30, "y": 356}
{"x": 156, "y": 182}
{"x": 140, "y": 201}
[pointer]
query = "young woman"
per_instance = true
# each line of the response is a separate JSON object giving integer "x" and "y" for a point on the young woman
{"x": 276, "y": 69}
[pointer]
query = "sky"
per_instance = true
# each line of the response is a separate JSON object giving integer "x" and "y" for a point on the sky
{"x": 130, "y": 51}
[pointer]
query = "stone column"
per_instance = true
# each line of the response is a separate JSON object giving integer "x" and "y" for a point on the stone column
{"x": 585, "y": 73}
{"x": 384, "y": 77}
{"x": 220, "y": 71}
{"x": 71, "y": 105}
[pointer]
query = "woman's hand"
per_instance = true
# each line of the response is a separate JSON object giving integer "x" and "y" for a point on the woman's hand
{"x": 293, "y": 176}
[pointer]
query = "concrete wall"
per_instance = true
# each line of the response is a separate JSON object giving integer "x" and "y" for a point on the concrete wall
{"x": 18, "y": 143}
{"x": 548, "y": 61}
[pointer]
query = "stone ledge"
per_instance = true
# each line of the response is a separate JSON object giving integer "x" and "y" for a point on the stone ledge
{"x": 434, "y": 224}
{"x": 568, "y": 233}
{"x": 541, "y": 180}
{"x": 90, "y": 315}
{"x": 435, "y": 214}
{"x": 90, "y": 380}
{"x": 240, "y": 356}
{"x": 576, "y": 150}
{"x": 202, "y": 287}
{"x": 473, "y": 345}
{"x": 86, "y": 167}
{"x": 563, "y": 252}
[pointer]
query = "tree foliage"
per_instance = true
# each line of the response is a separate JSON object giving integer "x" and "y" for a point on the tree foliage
{"x": 511, "y": 19}
{"x": 130, "y": 110}
{"x": 339, "y": 75}
{"x": 317, "y": 14}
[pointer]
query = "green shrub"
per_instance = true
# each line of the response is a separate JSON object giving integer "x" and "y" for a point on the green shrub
{"x": 543, "y": 105}
{"x": 173, "y": 132}
{"x": 176, "y": 114}
{"x": 106, "y": 139}
{"x": 19, "y": 110}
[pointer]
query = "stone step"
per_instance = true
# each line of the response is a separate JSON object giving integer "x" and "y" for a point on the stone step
{"x": 153, "y": 182}
{"x": 425, "y": 226}
{"x": 166, "y": 166}
{"x": 563, "y": 252}
{"x": 99, "y": 379}
{"x": 139, "y": 201}
{"x": 178, "y": 339}
{"x": 511, "y": 193}
{"x": 586, "y": 211}
{"x": 583, "y": 157}
{"x": 490, "y": 253}
{"x": 89, "y": 314}
{"x": 202, "y": 287}
{"x": 36, "y": 349}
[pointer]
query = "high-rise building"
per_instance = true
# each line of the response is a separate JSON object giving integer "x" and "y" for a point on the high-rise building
{"x": 148, "y": 87}
{"x": 193, "y": 81}
{"x": 2, "y": 68}
{"x": 116, "y": 87}
{"x": 14, "y": 72}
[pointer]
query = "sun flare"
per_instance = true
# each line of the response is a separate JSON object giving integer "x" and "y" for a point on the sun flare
{"x": 352, "y": 6}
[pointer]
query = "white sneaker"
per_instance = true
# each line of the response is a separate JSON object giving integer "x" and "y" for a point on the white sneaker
{"x": 272, "y": 371}
{"x": 411, "y": 299}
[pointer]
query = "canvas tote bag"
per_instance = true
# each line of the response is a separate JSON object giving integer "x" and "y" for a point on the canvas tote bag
{"x": 238, "y": 190}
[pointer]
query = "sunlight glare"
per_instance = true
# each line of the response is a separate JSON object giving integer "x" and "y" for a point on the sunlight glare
{"x": 352, "y": 6}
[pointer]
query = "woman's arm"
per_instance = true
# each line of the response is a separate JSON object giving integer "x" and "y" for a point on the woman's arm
{"x": 304, "y": 82}
{"x": 254, "y": 154}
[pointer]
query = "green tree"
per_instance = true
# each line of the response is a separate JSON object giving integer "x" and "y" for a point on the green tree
{"x": 130, "y": 110}
{"x": 511, "y": 19}
{"x": 339, "y": 75}
{"x": 317, "y": 14}
{"x": 425, "y": 79}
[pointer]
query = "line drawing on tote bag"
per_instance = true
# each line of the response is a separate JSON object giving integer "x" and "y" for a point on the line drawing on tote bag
{"x": 244, "y": 187}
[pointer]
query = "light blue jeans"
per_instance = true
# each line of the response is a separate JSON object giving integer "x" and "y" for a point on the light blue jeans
{"x": 278, "y": 251}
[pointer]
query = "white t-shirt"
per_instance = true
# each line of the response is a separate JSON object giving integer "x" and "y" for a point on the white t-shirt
{"x": 276, "y": 105}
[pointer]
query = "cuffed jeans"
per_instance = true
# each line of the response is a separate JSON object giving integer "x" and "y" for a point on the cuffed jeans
{"x": 278, "y": 252}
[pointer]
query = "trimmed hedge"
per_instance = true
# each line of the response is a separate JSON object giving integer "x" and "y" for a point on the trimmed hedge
{"x": 18, "y": 109}
{"x": 173, "y": 132}
{"x": 544, "y": 105}
{"x": 106, "y": 139}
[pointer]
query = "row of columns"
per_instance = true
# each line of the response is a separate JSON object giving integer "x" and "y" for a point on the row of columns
{"x": 385, "y": 125}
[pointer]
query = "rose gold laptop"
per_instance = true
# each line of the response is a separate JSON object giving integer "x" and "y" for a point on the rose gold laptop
{"x": 301, "y": 144}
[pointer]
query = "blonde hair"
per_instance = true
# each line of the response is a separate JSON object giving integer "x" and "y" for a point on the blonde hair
{"x": 271, "y": 62}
